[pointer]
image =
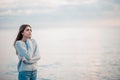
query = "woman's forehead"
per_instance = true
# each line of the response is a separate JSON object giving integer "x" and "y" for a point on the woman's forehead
{"x": 28, "y": 27}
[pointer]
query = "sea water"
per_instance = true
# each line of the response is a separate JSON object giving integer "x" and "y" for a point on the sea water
{"x": 67, "y": 53}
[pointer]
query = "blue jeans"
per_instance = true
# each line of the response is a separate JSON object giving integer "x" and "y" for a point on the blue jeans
{"x": 27, "y": 75}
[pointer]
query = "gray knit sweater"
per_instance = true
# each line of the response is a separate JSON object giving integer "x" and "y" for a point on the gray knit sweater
{"x": 29, "y": 51}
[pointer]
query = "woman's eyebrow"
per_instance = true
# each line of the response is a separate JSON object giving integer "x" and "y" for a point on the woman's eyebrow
{"x": 28, "y": 29}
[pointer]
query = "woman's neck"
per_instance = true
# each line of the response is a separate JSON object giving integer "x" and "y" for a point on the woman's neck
{"x": 24, "y": 39}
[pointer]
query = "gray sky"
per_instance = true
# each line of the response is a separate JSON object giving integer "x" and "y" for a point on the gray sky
{"x": 59, "y": 13}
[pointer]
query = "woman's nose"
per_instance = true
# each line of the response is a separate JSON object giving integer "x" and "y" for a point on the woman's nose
{"x": 30, "y": 32}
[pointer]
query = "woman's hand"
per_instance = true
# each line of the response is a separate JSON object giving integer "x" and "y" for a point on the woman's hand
{"x": 29, "y": 44}
{"x": 21, "y": 59}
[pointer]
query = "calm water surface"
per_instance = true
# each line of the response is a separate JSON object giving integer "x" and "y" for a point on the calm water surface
{"x": 67, "y": 54}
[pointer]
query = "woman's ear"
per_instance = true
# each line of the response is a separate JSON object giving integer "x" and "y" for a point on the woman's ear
{"x": 22, "y": 33}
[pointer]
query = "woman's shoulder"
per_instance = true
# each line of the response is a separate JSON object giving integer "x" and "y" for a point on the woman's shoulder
{"x": 19, "y": 42}
{"x": 33, "y": 40}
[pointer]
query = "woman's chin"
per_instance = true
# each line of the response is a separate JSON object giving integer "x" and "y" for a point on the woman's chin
{"x": 29, "y": 37}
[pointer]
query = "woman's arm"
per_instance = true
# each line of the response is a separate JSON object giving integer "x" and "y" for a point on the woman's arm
{"x": 30, "y": 61}
{"x": 36, "y": 54}
{"x": 22, "y": 51}
{"x": 35, "y": 57}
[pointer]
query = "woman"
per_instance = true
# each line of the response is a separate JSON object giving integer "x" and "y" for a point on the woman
{"x": 27, "y": 51}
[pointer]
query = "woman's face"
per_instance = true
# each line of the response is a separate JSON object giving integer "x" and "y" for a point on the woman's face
{"x": 27, "y": 33}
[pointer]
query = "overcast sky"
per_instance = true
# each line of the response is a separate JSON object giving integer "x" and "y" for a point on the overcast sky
{"x": 59, "y": 13}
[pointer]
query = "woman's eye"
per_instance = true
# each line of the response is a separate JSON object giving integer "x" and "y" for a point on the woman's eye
{"x": 29, "y": 30}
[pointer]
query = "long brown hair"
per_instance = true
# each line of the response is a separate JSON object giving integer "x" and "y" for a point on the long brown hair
{"x": 19, "y": 35}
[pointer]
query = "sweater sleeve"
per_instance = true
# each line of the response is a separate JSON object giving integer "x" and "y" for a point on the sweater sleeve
{"x": 22, "y": 51}
{"x": 35, "y": 56}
